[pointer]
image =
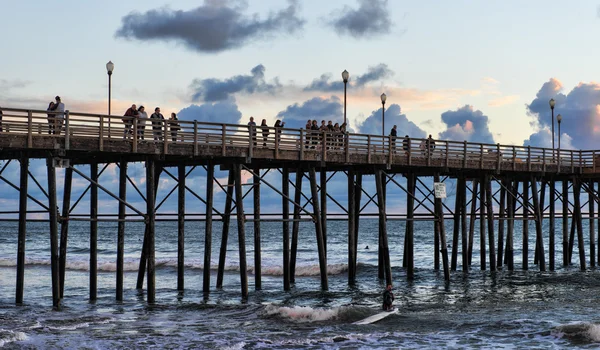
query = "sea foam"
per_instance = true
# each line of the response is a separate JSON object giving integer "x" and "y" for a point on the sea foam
{"x": 302, "y": 313}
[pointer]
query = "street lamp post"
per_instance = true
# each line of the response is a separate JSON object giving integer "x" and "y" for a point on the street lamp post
{"x": 345, "y": 76}
{"x": 552, "y": 102}
{"x": 383, "y": 98}
{"x": 559, "y": 119}
{"x": 109, "y": 69}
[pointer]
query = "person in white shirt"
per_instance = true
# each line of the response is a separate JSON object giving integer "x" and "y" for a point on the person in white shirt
{"x": 60, "y": 115}
{"x": 142, "y": 116}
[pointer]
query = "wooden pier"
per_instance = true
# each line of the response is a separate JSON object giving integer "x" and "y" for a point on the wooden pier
{"x": 494, "y": 183}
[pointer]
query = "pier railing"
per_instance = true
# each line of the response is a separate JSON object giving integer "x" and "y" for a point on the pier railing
{"x": 330, "y": 146}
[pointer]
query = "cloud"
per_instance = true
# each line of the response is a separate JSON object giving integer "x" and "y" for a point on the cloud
{"x": 211, "y": 90}
{"x": 296, "y": 115}
{"x": 393, "y": 116}
{"x": 580, "y": 110}
{"x": 218, "y": 112}
{"x": 211, "y": 28}
{"x": 504, "y": 100}
{"x": 372, "y": 17}
{"x": 374, "y": 73}
{"x": 466, "y": 124}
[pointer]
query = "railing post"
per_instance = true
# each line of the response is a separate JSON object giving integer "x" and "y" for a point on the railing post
{"x": 276, "y": 143}
{"x": 481, "y": 156}
{"x": 101, "y": 140}
{"x": 369, "y": 149}
{"x": 499, "y": 158}
{"x": 514, "y": 157}
{"x": 447, "y": 152}
{"x": 429, "y": 152}
{"x": 302, "y": 145}
{"x": 391, "y": 151}
{"x": 195, "y": 137}
{"x": 558, "y": 165}
{"x": 580, "y": 163}
{"x": 347, "y": 146}
{"x": 165, "y": 138}
{"x": 134, "y": 127}
{"x": 528, "y": 158}
{"x": 250, "y": 145}
{"x": 223, "y": 139}
{"x": 324, "y": 146}
{"x": 29, "y": 131}
{"x": 409, "y": 151}
{"x": 572, "y": 162}
{"x": 544, "y": 159}
{"x": 593, "y": 161}
{"x": 464, "y": 154}
{"x": 67, "y": 130}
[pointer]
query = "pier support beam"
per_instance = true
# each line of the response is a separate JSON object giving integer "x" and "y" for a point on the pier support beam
{"x": 472, "y": 219}
{"x": 145, "y": 245}
{"x": 552, "y": 229}
{"x": 592, "y": 223}
{"x": 121, "y": 227}
{"x": 151, "y": 187}
{"x": 210, "y": 174}
{"x": 565, "y": 223}
{"x": 257, "y": 244}
{"x": 463, "y": 215}
{"x": 285, "y": 204}
{"x": 440, "y": 223}
{"x": 225, "y": 231}
{"x": 181, "y": 228}
{"x": 94, "y": 232}
{"x": 296, "y": 224}
{"x": 53, "y": 218}
{"x": 538, "y": 225}
{"x": 410, "y": 238}
{"x": 351, "y": 226}
{"x": 482, "y": 207}
{"x": 501, "y": 219}
{"x": 318, "y": 227}
{"x": 381, "y": 250}
{"x": 525, "y": 247}
{"x": 22, "y": 228}
{"x": 64, "y": 228}
{"x": 239, "y": 200}
{"x": 384, "y": 248}
{"x": 490, "y": 217}
{"x": 510, "y": 206}
{"x": 577, "y": 217}
{"x": 323, "y": 193}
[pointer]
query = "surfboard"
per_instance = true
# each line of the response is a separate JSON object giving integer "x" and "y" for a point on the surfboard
{"x": 377, "y": 317}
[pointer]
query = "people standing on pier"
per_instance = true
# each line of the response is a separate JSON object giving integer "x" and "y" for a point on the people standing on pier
{"x": 60, "y": 114}
{"x": 129, "y": 115}
{"x": 265, "y": 131}
{"x": 342, "y": 135}
{"x": 406, "y": 144}
{"x": 252, "y": 129}
{"x": 157, "y": 124}
{"x": 388, "y": 298}
{"x": 51, "y": 117}
{"x": 315, "y": 133}
{"x": 338, "y": 136}
{"x": 278, "y": 126}
{"x": 308, "y": 127}
{"x": 141, "y": 120}
{"x": 174, "y": 126}
{"x": 431, "y": 144}
{"x": 393, "y": 136}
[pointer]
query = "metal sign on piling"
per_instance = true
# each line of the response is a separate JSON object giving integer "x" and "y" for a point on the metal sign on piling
{"x": 439, "y": 189}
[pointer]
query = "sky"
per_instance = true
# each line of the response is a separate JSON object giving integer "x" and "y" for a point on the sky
{"x": 459, "y": 70}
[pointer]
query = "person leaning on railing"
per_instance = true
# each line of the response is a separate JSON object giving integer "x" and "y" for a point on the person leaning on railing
{"x": 157, "y": 124}
{"x": 60, "y": 115}
{"x": 406, "y": 144}
{"x": 129, "y": 115}
{"x": 174, "y": 125}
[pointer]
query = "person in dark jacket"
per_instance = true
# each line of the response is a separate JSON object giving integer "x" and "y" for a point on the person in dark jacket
{"x": 174, "y": 126}
{"x": 265, "y": 131}
{"x": 388, "y": 298}
{"x": 157, "y": 124}
{"x": 130, "y": 116}
{"x": 393, "y": 136}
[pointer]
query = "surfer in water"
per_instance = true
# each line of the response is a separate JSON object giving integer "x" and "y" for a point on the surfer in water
{"x": 388, "y": 298}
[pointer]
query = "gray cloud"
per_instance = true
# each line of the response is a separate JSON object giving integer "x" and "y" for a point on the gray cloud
{"x": 580, "y": 115}
{"x": 211, "y": 90}
{"x": 372, "y": 17}
{"x": 219, "y": 112}
{"x": 296, "y": 115}
{"x": 393, "y": 116}
{"x": 211, "y": 28}
{"x": 466, "y": 124}
{"x": 324, "y": 83}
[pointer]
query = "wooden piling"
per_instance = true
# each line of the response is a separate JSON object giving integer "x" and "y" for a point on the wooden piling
{"x": 443, "y": 244}
{"x": 318, "y": 227}
{"x": 538, "y": 225}
{"x": 501, "y": 219}
{"x": 53, "y": 218}
{"x": 456, "y": 225}
{"x": 490, "y": 217}
{"x": 381, "y": 266}
{"x": 323, "y": 193}
{"x": 145, "y": 244}
{"x": 525, "y": 246}
{"x": 22, "y": 228}
{"x": 237, "y": 168}
{"x": 94, "y": 232}
{"x": 64, "y": 228}
{"x": 296, "y": 223}
{"x": 552, "y": 231}
{"x": 592, "y": 223}
{"x": 357, "y": 203}
{"x": 385, "y": 252}
{"x": 578, "y": 218}
{"x": 463, "y": 211}
{"x": 225, "y": 231}
{"x": 351, "y": 225}
{"x": 257, "y": 244}
{"x": 472, "y": 219}
{"x": 482, "y": 223}
{"x": 121, "y": 227}
{"x": 210, "y": 174}
{"x": 565, "y": 222}
{"x": 510, "y": 199}
{"x": 410, "y": 206}
{"x": 285, "y": 205}
{"x": 151, "y": 187}
{"x": 181, "y": 228}
{"x": 542, "y": 196}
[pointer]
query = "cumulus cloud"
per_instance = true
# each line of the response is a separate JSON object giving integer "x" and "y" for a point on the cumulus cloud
{"x": 211, "y": 90}
{"x": 374, "y": 73}
{"x": 372, "y": 17}
{"x": 580, "y": 110}
{"x": 393, "y": 116}
{"x": 296, "y": 115}
{"x": 466, "y": 124}
{"x": 210, "y": 28}
{"x": 218, "y": 112}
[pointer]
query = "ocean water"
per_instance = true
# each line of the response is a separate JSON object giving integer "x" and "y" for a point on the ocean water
{"x": 478, "y": 309}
